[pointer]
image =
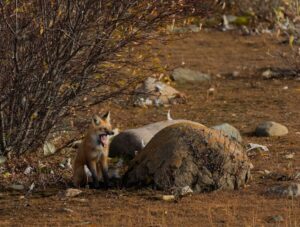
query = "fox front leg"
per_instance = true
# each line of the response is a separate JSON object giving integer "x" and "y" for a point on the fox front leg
{"x": 93, "y": 168}
{"x": 104, "y": 169}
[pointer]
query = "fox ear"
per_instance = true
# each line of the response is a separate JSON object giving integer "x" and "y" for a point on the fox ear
{"x": 96, "y": 120}
{"x": 106, "y": 117}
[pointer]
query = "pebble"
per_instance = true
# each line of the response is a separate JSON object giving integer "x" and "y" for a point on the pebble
{"x": 72, "y": 192}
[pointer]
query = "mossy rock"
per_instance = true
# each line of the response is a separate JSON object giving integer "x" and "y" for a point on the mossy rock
{"x": 188, "y": 154}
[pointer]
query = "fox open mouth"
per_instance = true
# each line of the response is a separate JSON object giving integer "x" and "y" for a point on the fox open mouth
{"x": 103, "y": 139}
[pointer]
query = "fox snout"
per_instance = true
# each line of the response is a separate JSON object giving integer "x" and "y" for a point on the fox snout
{"x": 109, "y": 132}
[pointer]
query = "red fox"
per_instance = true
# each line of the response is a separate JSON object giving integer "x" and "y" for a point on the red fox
{"x": 93, "y": 152}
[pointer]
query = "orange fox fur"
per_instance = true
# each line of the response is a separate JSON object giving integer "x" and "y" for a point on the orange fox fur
{"x": 93, "y": 152}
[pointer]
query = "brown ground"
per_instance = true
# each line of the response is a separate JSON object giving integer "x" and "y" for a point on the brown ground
{"x": 243, "y": 101}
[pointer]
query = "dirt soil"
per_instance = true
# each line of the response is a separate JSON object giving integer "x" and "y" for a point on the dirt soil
{"x": 243, "y": 101}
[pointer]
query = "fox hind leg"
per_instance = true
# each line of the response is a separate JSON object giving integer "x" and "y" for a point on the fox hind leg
{"x": 80, "y": 178}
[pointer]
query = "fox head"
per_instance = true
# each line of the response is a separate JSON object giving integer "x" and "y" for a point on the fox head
{"x": 101, "y": 129}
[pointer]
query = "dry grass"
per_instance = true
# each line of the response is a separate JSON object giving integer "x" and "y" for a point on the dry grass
{"x": 243, "y": 101}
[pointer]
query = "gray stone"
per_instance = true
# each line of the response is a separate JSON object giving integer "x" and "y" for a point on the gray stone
{"x": 229, "y": 130}
{"x": 275, "y": 218}
{"x": 194, "y": 28}
{"x": 290, "y": 190}
{"x": 184, "y": 75}
{"x": 183, "y": 191}
{"x": 28, "y": 170}
{"x": 271, "y": 128}
{"x": 2, "y": 160}
{"x": 17, "y": 187}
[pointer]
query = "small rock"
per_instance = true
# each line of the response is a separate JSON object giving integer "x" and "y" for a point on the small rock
{"x": 297, "y": 176}
{"x": 28, "y": 170}
{"x": 183, "y": 191}
{"x": 210, "y": 92}
{"x": 229, "y": 130}
{"x": 165, "y": 197}
{"x": 49, "y": 149}
{"x": 275, "y": 218}
{"x": 17, "y": 187}
{"x": 291, "y": 190}
{"x": 267, "y": 74}
{"x": 68, "y": 163}
{"x": 80, "y": 200}
{"x": 22, "y": 197}
{"x": 271, "y": 128}
{"x": 184, "y": 75}
{"x": 264, "y": 172}
{"x": 154, "y": 92}
{"x": 168, "y": 197}
{"x": 267, "y": 172}
{"x": 218, "y": 75}
{"x": 245, "y": 30}
{"x": 289, "y": 156}
{"x": 68, "y": 210}
{"x": 2, "y": 160}
{"x": 72, "y": 192}
{"x": 235, "y": 74}
{"x": 194, "y": 28}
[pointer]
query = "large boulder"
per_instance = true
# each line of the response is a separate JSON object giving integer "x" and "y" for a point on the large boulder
{"x": 131, "y": 141}
{"x": 188, "y": 154}
{"x": 153, "y": 92}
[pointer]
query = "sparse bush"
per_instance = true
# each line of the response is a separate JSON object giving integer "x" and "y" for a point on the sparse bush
{"x": 53, "y": 52}
{"x": 264, "y": 10}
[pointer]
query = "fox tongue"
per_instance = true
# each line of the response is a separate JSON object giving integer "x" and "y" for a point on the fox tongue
{"x": 104, "y": 139}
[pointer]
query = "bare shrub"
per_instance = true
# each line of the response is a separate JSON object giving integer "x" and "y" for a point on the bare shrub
{"x": 53, "y": 52}
{"x": 264, "y": 10}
